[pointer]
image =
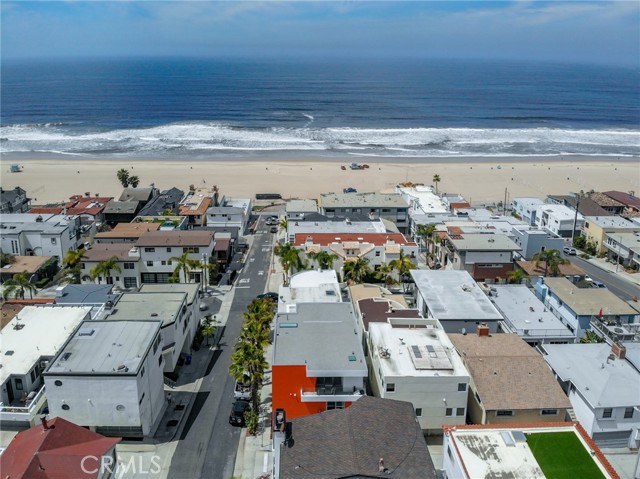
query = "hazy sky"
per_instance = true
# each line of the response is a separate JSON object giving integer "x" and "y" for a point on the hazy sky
{"x": 593, "y": 32}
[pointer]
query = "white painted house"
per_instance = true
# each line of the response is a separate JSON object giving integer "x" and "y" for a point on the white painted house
{"x": 558, "y": 220}
{"x": 231, "y": 213}
{"x": 108, "y": 377}
{"x": 526, "y": 208}
{"x": 602, "y": 386}
{"x": 418, "y": 365}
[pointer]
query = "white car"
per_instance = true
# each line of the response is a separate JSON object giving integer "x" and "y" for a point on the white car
{"x": 569, "y": 251}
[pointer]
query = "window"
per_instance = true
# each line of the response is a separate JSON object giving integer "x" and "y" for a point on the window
{"x": 462, "y": 386}
{"x": 33, "y": 376}
{"x": 19, "y": 384}
{"x": 168, "y": 250}
{"x": 149, "y": 263}
{"x": 391, "y": 388}
{"x": 418, "y": 412}
{"x": 160, "y": 360}
{"x": 377, "y": 253}
{"x": 449, "y": 453}
{"x": 142, "y": 372}
{"x": 448, "y": 412}
{"x": 477, "y": 397}
{"x": 460, "y": 411}
{"x": 628, "y": 412}
{"x": 190, "y": 250}
{"x": 130, "y": 282}
{"x": 504, "y": 413}
{"x": 335, "y": 405}
{"x": 607, "y": 412}
{"x": 129, "y": 265}
{"x": 163, "y": 263}
{"x": 149, "y": 250}
{"x": 53, "y": 241}
{"x": 549, "y": 412}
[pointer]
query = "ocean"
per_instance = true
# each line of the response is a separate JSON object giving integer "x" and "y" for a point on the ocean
{"x": 206, "y": 108}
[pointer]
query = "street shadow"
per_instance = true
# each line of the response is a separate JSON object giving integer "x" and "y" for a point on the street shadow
{"x": 212, "y": 362}
{"x": 199, "y": 401}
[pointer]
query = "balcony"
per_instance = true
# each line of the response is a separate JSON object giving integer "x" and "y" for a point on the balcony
{"x": 331, "y": 394}
{"x": 23, "y": 415}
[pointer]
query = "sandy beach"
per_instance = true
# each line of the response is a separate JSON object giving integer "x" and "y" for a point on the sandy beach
{"x": 480, "y": 180}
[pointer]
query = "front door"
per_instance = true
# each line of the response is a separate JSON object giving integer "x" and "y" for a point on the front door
{"x": 10, "y": 391}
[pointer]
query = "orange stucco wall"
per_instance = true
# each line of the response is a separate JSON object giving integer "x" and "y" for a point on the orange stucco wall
{"x": 287, "y": 381}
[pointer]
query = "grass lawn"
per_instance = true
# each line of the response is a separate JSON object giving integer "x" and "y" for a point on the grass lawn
{"x": 561, "y": 455}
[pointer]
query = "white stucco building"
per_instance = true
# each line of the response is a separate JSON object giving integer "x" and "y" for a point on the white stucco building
{"x": 558, "y": 220}
{"x": 108, "y": 377}
{"x": 418, "y": 365}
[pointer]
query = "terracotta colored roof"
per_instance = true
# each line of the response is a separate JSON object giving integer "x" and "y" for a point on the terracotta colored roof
{"x": 222, "y": 244}
{"x": 376, "y": 311}
{"x": 461, "y": 205}
{"x": 46, "y": 210}
{"x": 530, "y": 268}
{"x": 55, "y": 453}
{"x": 176, "y": 238}
{"x": 30, "y": 264}
{"x": 129, "y": 230}
{"x": 351, "y": 441}
{"x": 378, "y": 239}
{"x": 604, "y": 200}
{"x": 455, "y": 230}
{"x": 200, "y": 209}
{"x": 508, "y": 373}
{"x": 624, "y": 198}
{"x": 105, "y": 251}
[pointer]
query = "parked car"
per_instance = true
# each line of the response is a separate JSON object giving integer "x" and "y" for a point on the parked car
{"x": 598, "y": 284}
{"x": 242, "y": 389}
{"x": 236, "y": 417}
{"x": 272, "y": 296}
{"x": 274, "y": 229}
{"x": 569, "y": 251}
{"x": 349, "y": 190}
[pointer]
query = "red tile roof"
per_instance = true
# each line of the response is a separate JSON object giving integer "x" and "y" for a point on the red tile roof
{"x": 46, "y": 210}
{"x": 378, "y": 239}
{"x": 624, "y": 198}
{"x": 55, "y": 453}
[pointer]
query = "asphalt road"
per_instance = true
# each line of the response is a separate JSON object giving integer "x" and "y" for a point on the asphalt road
{"x": 620, "y": 287}
{"x": 208, "y": 444}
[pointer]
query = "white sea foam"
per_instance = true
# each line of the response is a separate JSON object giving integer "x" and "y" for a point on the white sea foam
{"x": 213, "y": 136}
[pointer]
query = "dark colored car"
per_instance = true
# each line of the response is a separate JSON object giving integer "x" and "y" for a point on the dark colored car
{"x": 274, "y": 229}
{"x": 349, "y": 190}
{"x": 272, "y": 296}
{"x": 236, "y": 418}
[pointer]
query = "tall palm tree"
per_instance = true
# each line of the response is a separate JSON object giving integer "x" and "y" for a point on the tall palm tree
{"x": 185, "y": 264}
{"x": 385, "y": 274}
{"x": 123, "y": 177}
{"x": 357, "y": 270}
{"x": 552, "y": 259}
{"x": 283, "y": 224}
{"x": 289, "y": 259}
{"x": 426, "y": 233}
{"x": 134, "y": 181}
{"x": 248, "y": 359}
{"x": 436, "y": 180}
{"x": 403, "y": 265}
{"x": 104, "y": 268}
{"x": 17, "y": 286}
{"x": 323, "y": 259}
{"x": 73, "y": 257}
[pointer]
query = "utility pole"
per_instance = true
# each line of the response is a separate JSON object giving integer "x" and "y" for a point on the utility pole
{"x": 575, "y": 218}
{"x": 504, "y": 205}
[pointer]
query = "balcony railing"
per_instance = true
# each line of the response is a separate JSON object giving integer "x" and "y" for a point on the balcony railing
{"x": 24, "y": 413}
{"x": 322, "y": 394}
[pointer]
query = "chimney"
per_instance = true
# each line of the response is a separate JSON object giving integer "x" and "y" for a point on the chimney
{"x": 483, "y": 329}
{"x": 619, "y": 351}
{"x": 45, "y": 426}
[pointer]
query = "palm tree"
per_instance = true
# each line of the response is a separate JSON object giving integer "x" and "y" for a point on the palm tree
{"x": 403, "y": 265}
{"x": 283, "y": 224}
{"x": 552, "y": 260}
{"x": 590, "y": 337}
{"x": 6, "y": 258}
{"x": 516, "y": 276}
{"x": 289, "y": 258}
{"x": 356, "y": 271}
{"x": 426, "y": 233}
{"x": 436, "y": 180}
{"x": 123, "y": 177}
{"x": 209, "y": 328}
{"x": 385, "y": 274}
{"x": 73, "y": 257}
{"x": 185, "y": 264}
{"x": 72, "y": 272}
{"x": 323, "y": 259}
{"x": 104, "y": 268}
{"x": 134, "y": 181}
{"x": 248, "y": 359}
{"x": 17, "y": 286}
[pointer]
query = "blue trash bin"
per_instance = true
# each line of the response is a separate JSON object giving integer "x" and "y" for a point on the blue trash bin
{"x": 188, "y": 360}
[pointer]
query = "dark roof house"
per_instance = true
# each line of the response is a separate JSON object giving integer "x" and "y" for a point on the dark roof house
{"x": 357, "y": 442}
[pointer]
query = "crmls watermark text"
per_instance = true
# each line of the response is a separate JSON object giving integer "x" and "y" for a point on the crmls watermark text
{"x": 133, "y": 465}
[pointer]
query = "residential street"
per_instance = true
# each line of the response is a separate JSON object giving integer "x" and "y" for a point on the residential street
{"x": 208, "y": 443}
{"x": 617, "y": 285}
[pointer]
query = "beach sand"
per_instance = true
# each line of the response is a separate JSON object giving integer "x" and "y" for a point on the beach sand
{"x": 480, "y": 180}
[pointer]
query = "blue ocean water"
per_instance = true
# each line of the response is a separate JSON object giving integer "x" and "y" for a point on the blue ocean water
{"x": 169, "y": 108}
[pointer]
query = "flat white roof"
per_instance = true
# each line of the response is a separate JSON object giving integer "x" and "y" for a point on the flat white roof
{"x": 118, "y": 347}
{"x": 603, "y": 382}
{"x": 36, "y": 331}
{"x": 561, "y": 212}
{"x": 454, "y": 295}
{"x": 301, "y": 227}
{"x": 611, "y": 222}
{"x": 427, "y": 201}
{"x": 301, "y": 206}
{"x": 524, "y": 312}
{"x": 422, "y": 352}
{"x": 313, "y": 278}
{"x": 504, "y": 452}
{"x": 527, "y": 201}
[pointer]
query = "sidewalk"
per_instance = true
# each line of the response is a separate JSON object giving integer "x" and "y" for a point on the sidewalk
{"x": 621, "y": 273}
{"x": 255, "y": 454}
